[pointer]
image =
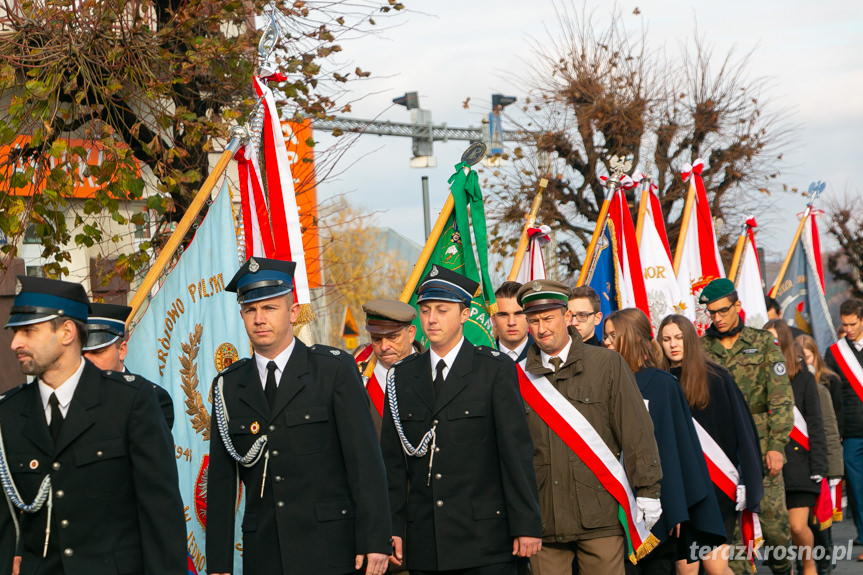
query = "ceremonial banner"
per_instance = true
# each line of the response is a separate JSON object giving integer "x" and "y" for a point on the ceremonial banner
{"x": 801, "y": 293}
{"x": 750, "y": 289}
{"x": 663, "y": 292}
{"x": 191, "y": 331}
{"x": 454, "y": 250}
{"x": 533, "y": 266}
{"x": 631, "y": 285}
{"x": 700, "y": 262}
{"x": 604, "y": 278}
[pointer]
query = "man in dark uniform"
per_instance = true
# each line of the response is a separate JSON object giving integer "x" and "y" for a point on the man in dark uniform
{"x": 115, "y": 505}
{"x": 106, "y": 347}
{"x": 466, "y": 492}
{"x": 510, "y": 324}
{"x": 389, "y": 323}
{"x": 286, "y": 421}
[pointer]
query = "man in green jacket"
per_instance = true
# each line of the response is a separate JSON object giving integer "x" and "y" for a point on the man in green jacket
{"x": 754, "y": 359}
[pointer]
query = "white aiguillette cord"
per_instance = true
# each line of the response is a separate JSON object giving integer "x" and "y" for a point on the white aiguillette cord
{"x": 254, "y": 454}
{"x": 428, "y": 440}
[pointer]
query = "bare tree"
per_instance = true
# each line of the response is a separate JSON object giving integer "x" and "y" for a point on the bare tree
{"x": 598, "y": 91}
{"x": 846, "y": 227}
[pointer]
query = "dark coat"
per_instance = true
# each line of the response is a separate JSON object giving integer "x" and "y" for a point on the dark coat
{"x": 482, "y": 490}
{"x": 117, "y": 505}
{"x": 523, "y": 353}
{"x": 687, "y": 491}
{"x": 738, "y": 440}
{"x": 802, "y": 464}
{"x": 850, "y": 415}
{"x": 166, "y": 404}
{"x": 325, "y": 499}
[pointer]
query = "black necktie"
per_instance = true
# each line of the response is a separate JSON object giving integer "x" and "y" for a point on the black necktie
{"x": 56, "y": 417}
{"x": 270, "y": 389}
{"x": 438, "y": 378}
{"x": 556, "y": 362}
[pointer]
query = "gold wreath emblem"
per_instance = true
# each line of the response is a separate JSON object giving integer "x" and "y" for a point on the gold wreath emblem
{"x": 200, "y": 417}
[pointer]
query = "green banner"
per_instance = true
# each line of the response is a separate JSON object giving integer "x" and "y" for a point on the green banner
{"x": 454, "y": 250}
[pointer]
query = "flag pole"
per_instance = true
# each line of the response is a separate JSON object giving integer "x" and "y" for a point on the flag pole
{"x": 186, "y": 222}
{"x": 590, "y": 257}
{"x": 642, "y": 210}
{"x": 419, "y": 267}
{"x": 738, "y": 253}
{"x": 531, "y": 221}
{"x": 815, "y": 190}
{"x": 684, "y": 225}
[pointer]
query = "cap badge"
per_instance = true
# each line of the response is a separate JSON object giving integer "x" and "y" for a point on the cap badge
{"x": 254, "y": 266}
{"x": 34, "y": 464}
{"x": 433, "y": 272}
{"x": 536, "y": 286}
{"x": 255, "y": 427}
{"x": 18, "y": 287}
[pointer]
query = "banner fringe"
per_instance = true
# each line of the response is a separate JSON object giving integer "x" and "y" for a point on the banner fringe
{"x": 307, "y": 314}
{"x": 644, "y": 549}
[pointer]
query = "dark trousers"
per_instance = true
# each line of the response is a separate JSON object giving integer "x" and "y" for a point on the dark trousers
{"x": 508, "y": 568}
{"x": 853, "y": 455}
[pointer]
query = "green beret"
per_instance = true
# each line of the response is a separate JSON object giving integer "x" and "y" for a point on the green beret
{"x": 541, "y": 295}
{"x": 717, "y": 289}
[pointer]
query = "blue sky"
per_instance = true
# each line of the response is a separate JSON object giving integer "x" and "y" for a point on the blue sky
{"x": 449, "y": 51}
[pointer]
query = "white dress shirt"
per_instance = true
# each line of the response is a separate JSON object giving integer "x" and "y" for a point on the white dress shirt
{"x": 448, "y": 359}
{"x": 564, "y": 353}
{"x": 281, "y": 361}
{"x": 513, "y": 353}
{"x": 64, "y": 392}
{"x": 858, "y": 345}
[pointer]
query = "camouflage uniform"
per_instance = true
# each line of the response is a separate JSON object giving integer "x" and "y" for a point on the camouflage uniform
{"x": 758, "y": 367}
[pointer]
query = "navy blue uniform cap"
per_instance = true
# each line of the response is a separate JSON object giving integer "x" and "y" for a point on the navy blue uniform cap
{"x": 42, "y": 299}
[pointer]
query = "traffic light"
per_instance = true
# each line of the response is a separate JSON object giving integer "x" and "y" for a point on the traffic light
{"x": 410, "y": 100}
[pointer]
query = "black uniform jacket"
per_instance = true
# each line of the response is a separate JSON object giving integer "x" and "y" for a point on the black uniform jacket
{"x": 166, "y": 404}
{"x": 117, "y": 506}
{"x": 850, "y": 416}
{"x": 687, "y": 490}
{"x": 482, "y": 490}
{"x": 803, "y": 464}
{"x": 325, "y": 499}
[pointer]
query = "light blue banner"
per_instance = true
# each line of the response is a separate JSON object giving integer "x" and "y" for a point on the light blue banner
{"x": 191, "y": 331}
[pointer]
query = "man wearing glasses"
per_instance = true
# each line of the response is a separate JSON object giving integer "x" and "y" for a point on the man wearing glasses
{"x": 755, "y": 360}
{"x": 584, "y": 306}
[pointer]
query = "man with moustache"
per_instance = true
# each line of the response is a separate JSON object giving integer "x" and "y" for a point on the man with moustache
{"x": 389, "y": 323}
{"x": 457, "y": 448}
{"x": 106, "y": 348}
{"x": 285, "y": 423}
{"x": 510, "y": 325}
{"x": 93, "y": 443}
{"x": 580, "y": 515}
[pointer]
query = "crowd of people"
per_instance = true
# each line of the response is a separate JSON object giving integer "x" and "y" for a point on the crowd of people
{"x": 578, "y": 444}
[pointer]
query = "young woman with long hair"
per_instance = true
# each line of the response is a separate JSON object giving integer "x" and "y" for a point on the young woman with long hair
{"x": 828, "y": 381}
{"x": 690, "y": 518}
{"x": 719, "y": 408}
{"x": 806, "y": 468}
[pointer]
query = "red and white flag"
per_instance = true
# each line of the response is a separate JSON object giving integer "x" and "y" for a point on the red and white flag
{"x": 271, "y": 224}
{"x": 700, "y": 262}
{"x": 750, "y": 289}
{"x": 664, "y": 296}
{"x": 630, "y": 285}
{"x": 533, "y": 266}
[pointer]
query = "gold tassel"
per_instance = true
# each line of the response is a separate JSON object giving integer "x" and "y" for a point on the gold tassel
{"x": 826, "y": 524}
{"x": 307, "y": 314}
{"x": 646, "y": 547}
{"x": 837, "y": 515}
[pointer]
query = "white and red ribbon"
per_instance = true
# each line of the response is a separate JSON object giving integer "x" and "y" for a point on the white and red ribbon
{"x": 849, "y": 365}
{"x": 577, "y": 433}
{"x": 533, "y": 266}
{"x": 375, "y": 384}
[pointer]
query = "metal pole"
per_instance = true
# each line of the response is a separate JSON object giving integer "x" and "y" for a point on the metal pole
{"x": 426, "y": 215}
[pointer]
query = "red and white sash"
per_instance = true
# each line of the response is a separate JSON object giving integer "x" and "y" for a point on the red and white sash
{"x": 725, "y": 476}
{"x": 375, "y": 385}
{"x": 800, "y": 432}
{"x": 848, "y": 364}
{"x": 572, "y": 427}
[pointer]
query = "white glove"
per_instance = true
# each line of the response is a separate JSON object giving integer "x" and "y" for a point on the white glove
{"x": 741, "y": 498}
{"x": 648, "y": 510}
{"x": 834, "y": 482}
{"x": 816, "y": 478}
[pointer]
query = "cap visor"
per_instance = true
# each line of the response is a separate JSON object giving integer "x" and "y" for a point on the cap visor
{"x": 20, "y": 319}
{"x": 264, "y": 293}
{"x": 99, "y": 339}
